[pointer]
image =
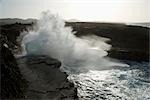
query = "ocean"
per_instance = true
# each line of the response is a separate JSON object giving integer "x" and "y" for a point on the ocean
{"x": 127, "y": 83}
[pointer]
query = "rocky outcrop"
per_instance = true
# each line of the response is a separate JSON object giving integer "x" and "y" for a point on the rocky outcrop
{"x": 128, "y": 42}
{"x": 13, "y": 85}
{"x": 32, "y": 77}
{"x": 46, "y": 81}
{"x": 12, "y": 32}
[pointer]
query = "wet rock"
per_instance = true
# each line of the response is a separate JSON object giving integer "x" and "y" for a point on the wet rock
{"x": 128, "y": 42}
{"x": 13, "y": 84}
{"x": 46, "y": 81}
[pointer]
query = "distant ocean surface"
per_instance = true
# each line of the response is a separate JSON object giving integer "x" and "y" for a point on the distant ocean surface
{"x": 130, "y": 83}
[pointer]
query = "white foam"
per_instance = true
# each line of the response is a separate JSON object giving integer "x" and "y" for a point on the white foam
{"x": 54, "y": 39}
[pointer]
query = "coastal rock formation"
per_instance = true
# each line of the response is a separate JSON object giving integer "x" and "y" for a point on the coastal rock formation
{"x": 128, "y": 42}
{"x": 46, "y": 81}
{"x": 13, "y": 84}
{"x": 32, "y": 77}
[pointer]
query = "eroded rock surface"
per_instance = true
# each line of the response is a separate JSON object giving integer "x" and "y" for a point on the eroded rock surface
{"x": 13, "y": 84}
{"x": 46, "y": 81}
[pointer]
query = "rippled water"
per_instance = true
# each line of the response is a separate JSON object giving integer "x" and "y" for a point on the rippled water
{"x": 132, "y": 83}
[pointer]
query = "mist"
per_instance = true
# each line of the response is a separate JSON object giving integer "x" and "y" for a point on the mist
{"x": 52, "y": 38}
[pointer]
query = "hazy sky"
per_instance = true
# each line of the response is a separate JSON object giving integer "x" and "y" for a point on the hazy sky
{"x": 84, "y": 10}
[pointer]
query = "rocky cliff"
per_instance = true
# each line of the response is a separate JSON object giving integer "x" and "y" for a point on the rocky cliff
{"x": 13, "y": 84}
{"x": 30, "y": 77}
{"x": 46, "y": 81}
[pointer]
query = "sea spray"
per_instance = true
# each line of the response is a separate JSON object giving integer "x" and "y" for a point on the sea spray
{"x": 52, "y": 38}
{"x": 88, "y": 53}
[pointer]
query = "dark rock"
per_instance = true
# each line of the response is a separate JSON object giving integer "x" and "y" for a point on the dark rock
{"x": 42, "y": 73}
{"x": 125, "y": 54}
{"x": 13, "y": 85}
{"x": 11, "y": 32}
{"x": 46, "y": 81}
{"x": 128, "y": 42}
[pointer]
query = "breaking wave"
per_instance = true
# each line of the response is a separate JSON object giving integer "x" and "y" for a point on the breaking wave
{"x": 51, "y": 37}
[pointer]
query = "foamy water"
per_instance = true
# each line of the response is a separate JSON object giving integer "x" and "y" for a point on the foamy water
{"x": 52, "y": 38}
{"x": 116, "y": 84}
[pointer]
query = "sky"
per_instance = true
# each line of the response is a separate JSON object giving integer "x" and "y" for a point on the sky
{"x": 83, "y": 10}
